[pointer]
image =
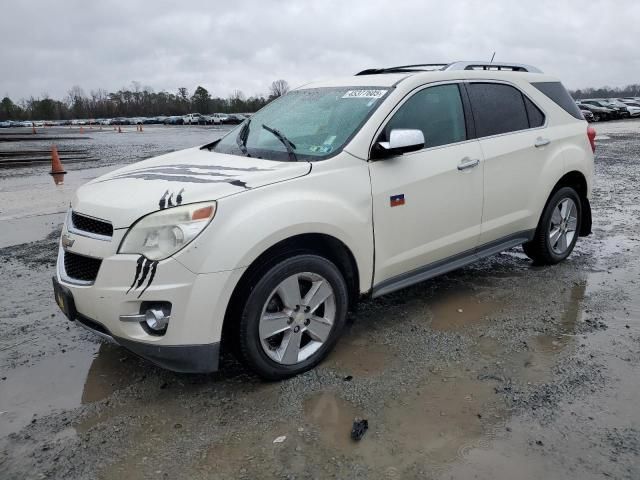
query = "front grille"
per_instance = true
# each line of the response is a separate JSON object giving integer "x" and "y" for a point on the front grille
{"x": 79, "y": 267}
{"x": 91, "y": 225}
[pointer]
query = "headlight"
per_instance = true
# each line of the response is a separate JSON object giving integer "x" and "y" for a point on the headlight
{"x": 159, "y": 235}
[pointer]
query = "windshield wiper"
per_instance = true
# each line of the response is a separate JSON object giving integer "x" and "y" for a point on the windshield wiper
{"x": 241, "y": 139}
{"x": 285, "y": 141}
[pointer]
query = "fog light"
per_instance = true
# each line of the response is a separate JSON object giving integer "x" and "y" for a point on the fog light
{"x": 156, "y": 319}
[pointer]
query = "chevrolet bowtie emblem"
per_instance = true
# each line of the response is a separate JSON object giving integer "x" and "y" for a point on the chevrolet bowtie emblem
{"x": 67, "y": 241}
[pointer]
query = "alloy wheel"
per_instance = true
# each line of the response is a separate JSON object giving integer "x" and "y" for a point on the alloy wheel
{"x": 297, "y": 318}
{"x": 562, "y": 228}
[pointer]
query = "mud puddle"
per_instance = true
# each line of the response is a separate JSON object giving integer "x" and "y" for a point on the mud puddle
{"x": 457, "y": 309}
{"x": 62, "y": 382}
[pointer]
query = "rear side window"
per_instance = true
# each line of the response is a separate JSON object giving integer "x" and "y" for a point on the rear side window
{"x": 437, "y": 111}
{"x": 556, "y": 92}
{"x": 497, "y": 108}
{"x": 536, "y": 117}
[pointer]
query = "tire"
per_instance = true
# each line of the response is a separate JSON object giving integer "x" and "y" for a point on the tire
{"x": 275, "y": 339}
{"x": 544, "y": 249}
{"x": 596, "y": 117}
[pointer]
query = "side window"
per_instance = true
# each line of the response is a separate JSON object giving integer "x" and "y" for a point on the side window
{"x": 497, "y": 108}
{"x": 437, "y": 111}
{"x": 556, "y": 92}
{"x": 536, "y": 117}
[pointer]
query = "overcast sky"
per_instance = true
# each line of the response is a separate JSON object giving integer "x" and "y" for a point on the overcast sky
{"x": 48, "y": 46}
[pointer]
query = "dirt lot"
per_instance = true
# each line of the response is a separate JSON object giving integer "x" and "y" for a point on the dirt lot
{"x": 501, "y": 370}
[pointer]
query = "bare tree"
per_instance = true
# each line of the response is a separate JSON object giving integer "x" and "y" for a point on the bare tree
{"x": 278, "y": 88}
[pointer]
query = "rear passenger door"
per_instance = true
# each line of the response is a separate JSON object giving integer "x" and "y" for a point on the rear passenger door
{"x": 510, "y": 129}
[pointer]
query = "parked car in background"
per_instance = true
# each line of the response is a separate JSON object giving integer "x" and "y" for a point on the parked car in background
{"x": 5, "y": 124}
{"x": 120, "y": 121}
{"x": 635, "y": 103}
{"x": 632, "y": 107}
{"x": 600, "y": 114}
{"x": 235, "y": 118}
{"x": 193, "y": 119}
{"x": 220, "y": 117}
{"x": 174, "y": 120}
{"x": 211, "y": 120}
{"x": 619, "y": 112}
{"x": 588, "y": 116}
{"x": 369, "y": 184}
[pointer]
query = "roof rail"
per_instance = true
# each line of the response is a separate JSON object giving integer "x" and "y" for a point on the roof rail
{"x": 514, "y": 67}
{"x": 429, "y": 67}
{"x": 420, "y": 67}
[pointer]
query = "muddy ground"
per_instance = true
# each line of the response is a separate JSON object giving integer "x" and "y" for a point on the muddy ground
{"x": 501, "y": 370}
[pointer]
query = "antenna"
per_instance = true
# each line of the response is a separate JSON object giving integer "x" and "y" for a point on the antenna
{"x": 492, "y": 57}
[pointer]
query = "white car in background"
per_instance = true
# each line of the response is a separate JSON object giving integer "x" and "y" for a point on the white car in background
{"x": 219, "y": 118}
{"x": 212, "y": 120}
{"x": 193, "y": 119}
{"x": 261, "y": 241}
{"x": 632, "y": 105}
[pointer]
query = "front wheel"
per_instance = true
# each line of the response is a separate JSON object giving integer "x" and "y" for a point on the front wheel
{"x": 557, "y": 231}
{"x": 293, "y": 316}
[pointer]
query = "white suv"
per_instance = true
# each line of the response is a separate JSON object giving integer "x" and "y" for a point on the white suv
{"x": 263, "y": 240}
{"x": 193, "y": 119}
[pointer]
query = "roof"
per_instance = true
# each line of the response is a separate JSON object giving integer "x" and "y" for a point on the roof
{"x": 433, "y": 72}
{"x": 414, "y": 78}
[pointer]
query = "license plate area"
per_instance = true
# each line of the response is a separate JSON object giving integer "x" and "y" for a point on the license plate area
{"x": 64, "y": 299}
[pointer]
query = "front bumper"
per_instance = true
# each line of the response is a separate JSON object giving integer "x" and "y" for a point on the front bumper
{"x": 177, "y": 358}
{"x": 198, "y": 307}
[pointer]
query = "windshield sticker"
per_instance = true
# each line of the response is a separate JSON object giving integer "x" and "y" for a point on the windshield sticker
{"x": 320, "y": 148}
{"x": 364, "y": 94}
{"x": 330, "y": 140}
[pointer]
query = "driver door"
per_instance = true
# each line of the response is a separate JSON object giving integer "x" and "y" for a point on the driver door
{"x": 427, "y": 204}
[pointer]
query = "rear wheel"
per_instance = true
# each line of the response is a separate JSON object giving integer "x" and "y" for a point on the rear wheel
{"x": 293, "y": 316}
{"x": 557, "y": 232}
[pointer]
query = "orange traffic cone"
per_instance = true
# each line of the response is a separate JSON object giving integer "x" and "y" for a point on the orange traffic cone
{"x": 119, "y": 129}
{"x": 57, "y": 170}
{"x": 81, "y": 129}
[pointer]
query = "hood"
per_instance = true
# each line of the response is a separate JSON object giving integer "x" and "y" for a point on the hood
{"x": 182, "y": 177}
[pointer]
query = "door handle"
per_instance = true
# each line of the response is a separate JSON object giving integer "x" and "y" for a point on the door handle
{"x": 468, "y": 163}
{"x": 541, "y": 142}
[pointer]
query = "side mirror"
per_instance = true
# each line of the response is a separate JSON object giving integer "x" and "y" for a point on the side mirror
{"x": 401, "y": 141}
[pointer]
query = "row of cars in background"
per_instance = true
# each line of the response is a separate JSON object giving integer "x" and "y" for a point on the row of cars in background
{"x": 593, "y": 110}
{"x": 189, "y": 119}
{"x": 602, "y": 109}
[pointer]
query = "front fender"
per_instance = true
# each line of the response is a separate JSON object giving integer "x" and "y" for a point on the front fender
{"x": 335, "y": 200}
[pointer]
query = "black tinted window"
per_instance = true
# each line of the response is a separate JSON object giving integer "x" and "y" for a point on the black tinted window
{"x": 497, "y": 108}
{"x": 437, "y": 111}
{"x": 536, "y": 117}
{"x": 556, "y": 92}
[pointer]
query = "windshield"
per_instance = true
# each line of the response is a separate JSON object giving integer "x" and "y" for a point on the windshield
{"x": 316, "y": 123}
